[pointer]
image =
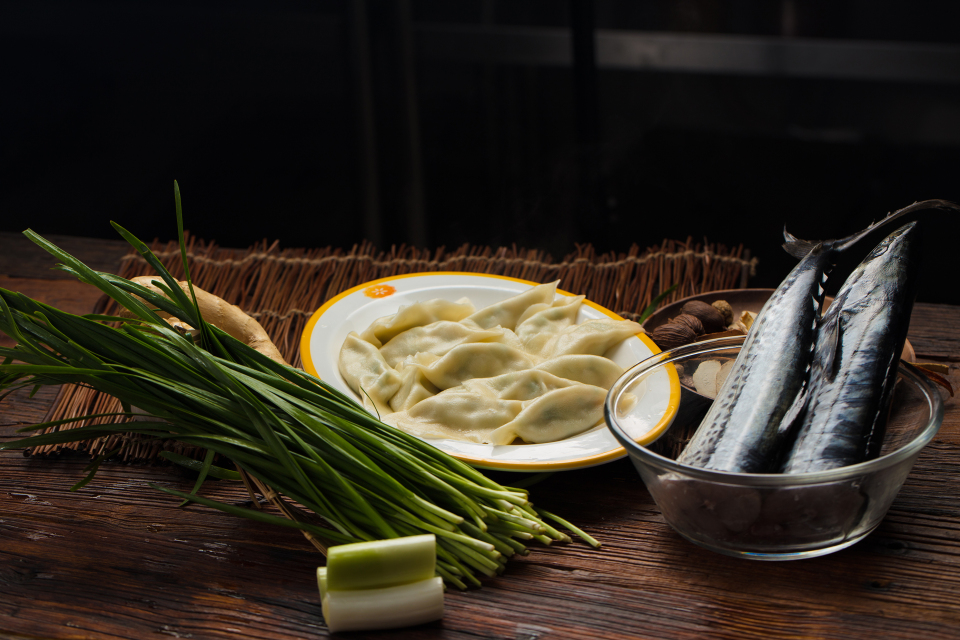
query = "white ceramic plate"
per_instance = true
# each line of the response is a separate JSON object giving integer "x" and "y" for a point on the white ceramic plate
{"x": 356, "y": 309}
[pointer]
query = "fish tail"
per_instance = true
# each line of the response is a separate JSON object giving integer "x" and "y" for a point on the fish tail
{"x": 795, "y": 246}
{"x": 799, "y": 248}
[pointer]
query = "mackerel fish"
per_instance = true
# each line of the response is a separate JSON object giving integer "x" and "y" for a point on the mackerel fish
{"x": 854, "y": 366}
{"x": 743, "y": 429}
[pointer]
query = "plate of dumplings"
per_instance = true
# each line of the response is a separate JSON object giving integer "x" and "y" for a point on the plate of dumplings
{"x": 500, "y": 373}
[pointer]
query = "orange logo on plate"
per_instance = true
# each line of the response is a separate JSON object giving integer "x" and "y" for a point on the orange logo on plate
{"x": 379, "y": 291}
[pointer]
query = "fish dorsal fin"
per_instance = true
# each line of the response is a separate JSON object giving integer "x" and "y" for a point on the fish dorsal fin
{"x": 796, "y": 410}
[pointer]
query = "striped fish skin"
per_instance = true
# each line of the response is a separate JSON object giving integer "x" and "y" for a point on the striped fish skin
{"x": 855, "y": 362}
{"x": 741, "y": 432}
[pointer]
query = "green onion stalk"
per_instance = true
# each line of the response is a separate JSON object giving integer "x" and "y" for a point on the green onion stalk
{"x": 291, "y": 433}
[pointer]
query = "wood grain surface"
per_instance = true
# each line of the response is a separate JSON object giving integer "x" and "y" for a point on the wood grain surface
{"x": 118, "y": 559}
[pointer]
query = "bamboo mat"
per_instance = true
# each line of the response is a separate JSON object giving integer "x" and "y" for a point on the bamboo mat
{"x": 283, "y": 287}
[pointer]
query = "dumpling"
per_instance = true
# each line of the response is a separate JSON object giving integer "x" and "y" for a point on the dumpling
{"x": 475, "y": 360}
{"x": 460, "y": 416}
{"x": 423, "y": 359}
{"x": 519, "y": 385}
{"x": 540, "y": 306}
{"x": 367, "y": 373}
{"x": 414, "y": 388}
{"x": 508, "y": 312}
{"x": 556, "y": 415}
{"x": 596, "y": 370}
{"x": 416, "y": 315}
{"x": 509, "y": 338}
{"x": 532, "y": 309}
{"x": 436, "y": 338}
{"x": 594, "y": 337}
{"x": 540, "y": 331}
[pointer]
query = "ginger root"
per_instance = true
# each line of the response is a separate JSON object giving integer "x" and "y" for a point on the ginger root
{"x": 220, "y": 313}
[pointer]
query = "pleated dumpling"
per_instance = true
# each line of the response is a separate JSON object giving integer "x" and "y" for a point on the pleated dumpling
{"x": 506, "y": 313}
{"x": 595, "y": 370}
{"x": 415, "y": 315}
{"x": 536, "y": 308}
{"x": 594, "y": 337}
{"x": 367, "y": 373}
{"x": 556, "y": 415}
{"x": 475, "y": 360}
{"x": 540, "y": 331}
{"x": 518, "y": 385}
{"x": 414, "y": 388}
{"x": 436, "y": 338}
{"x": 472, "y": 417}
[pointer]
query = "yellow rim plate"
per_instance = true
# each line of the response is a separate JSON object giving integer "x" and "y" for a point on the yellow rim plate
{"x": 357, "y": 308}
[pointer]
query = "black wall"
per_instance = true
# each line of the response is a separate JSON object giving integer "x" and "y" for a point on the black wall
{"x": 257, "y": 110}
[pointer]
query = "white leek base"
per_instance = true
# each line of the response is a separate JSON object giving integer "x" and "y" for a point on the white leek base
{"x": 385, "y": 608}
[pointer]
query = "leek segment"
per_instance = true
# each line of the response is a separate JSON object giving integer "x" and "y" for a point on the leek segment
{"x": 381, "y": 563}
{"x": 382, "y": 584}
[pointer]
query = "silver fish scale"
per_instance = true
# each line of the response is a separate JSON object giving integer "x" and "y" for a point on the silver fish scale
{"x": 852, "y": 377}
{"x": 741, "y": 430}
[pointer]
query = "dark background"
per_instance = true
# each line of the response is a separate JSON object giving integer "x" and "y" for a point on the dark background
{"x": 491, "y": 122}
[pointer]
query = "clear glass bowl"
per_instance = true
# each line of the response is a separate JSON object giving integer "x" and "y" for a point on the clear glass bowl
{"x": 768, "y": 516}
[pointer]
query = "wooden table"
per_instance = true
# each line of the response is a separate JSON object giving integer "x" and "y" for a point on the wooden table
{"x": 119, "y": 560}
